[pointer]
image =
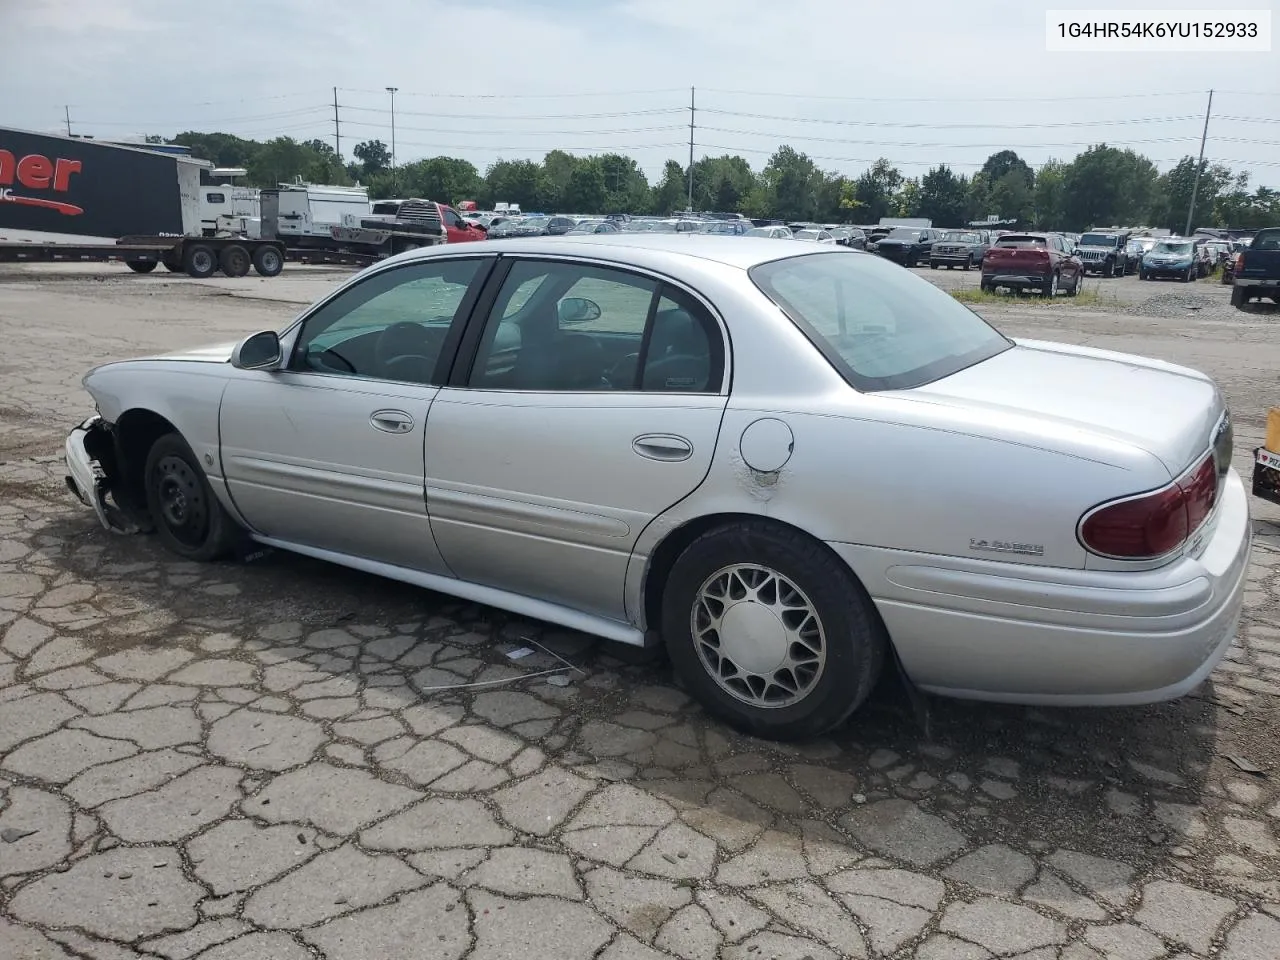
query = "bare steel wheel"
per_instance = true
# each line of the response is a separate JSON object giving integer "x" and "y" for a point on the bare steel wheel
{"x": 188, "y": 517}
{"x": 758, "y": 635}
{"x": 770, "y": 629}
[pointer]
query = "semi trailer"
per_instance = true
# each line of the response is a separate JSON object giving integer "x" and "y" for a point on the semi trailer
{"x": 73, "y": 199}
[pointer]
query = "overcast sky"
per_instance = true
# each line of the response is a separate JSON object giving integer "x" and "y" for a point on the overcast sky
{"x": 845, "y": 81}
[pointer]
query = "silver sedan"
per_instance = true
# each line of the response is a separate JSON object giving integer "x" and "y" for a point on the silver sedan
{"x": 784, "y": 462}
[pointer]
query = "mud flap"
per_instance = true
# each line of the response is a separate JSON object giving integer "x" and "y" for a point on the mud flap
{"x": 917, "y": 697}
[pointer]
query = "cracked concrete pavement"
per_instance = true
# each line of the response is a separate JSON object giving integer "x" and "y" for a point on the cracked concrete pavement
{"x": 257, "y": 760}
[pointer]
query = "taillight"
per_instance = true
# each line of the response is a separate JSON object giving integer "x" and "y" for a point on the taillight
{"x": 1153, "y": 524}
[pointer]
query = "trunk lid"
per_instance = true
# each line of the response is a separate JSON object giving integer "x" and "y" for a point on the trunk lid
{"x": 1169, "y": 411}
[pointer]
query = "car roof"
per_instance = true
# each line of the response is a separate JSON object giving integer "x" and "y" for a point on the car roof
{"x": 736, "y": 251}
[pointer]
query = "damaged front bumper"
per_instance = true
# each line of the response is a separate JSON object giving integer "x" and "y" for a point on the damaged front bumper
{"x": 87, "y": 446}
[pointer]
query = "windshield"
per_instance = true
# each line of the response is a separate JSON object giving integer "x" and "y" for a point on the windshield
{"x": 1165, "y": 246}
{"x": 1097, "y": 240}
{"x": 808, "y": 234}
{"x": 881, "y": 326}
{"x": 962, "y": 237}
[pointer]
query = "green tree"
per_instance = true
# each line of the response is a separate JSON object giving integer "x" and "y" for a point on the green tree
{"x": 625, "y": 186}
{"x": 944, "y": 197}
{"x": 374, "y": 156}
{"x": 669, "y": 192}
{"x": 1172, "y": 194}
{"x": 1049, "y": 193}
{"x": 906, "y": 202}
{"x": 1000, "y": 165}
{"x": 444, "y": 179}
{"x": 1105, "y": 185}
{"x": 514, "y": 181}
{"x": 585, "y": 192}
{"x": 789, "y": 183}
{"x": 722, "y": 183}
{"x": 557, "y": 168}
{"x": 222, "y": 149}
{"x": 874, "y": 190}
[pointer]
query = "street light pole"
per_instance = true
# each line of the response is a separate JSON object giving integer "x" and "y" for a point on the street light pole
{"x": 395, "y": 186}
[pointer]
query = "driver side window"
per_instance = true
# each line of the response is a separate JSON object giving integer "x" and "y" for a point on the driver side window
{"x": 391, "y": 326}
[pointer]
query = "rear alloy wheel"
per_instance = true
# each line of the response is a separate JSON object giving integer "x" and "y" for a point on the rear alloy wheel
{"x": 770, "y": 631}
{"x": 188, "y": 517}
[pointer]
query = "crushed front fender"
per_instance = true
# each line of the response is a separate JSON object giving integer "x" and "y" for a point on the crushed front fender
{"x": 90, "y": 462}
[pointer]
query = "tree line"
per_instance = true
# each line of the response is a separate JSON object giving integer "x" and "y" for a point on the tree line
{"x": 1100, "y": 186}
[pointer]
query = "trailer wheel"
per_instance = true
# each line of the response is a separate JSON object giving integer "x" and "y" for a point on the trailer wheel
{"x": 199, "y": 261}
{"x": 234, "y": 260}
{"x": 268, "y": 261}
{"x": 141, "y": 266}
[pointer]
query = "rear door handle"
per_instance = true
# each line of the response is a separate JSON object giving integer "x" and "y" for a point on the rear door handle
{"x": 662, "y": 446}
{"x": 391, "y": 421}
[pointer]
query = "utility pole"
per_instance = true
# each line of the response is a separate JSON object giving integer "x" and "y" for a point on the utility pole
{"x": 1195, "y": 187}
{"x": 67, "y": 112}
{"x": 337, "y": 134}
{"x": 395, "y": 184}
{"x": 692, "y": 111}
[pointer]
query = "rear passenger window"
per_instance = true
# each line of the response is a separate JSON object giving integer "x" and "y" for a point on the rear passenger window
{"x": 563, "y": 326}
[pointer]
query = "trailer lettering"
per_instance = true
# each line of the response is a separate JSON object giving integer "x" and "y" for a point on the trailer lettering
{"x": 37, "y": 172}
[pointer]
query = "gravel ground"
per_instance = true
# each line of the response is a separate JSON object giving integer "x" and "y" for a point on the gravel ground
{"x": 282, "y": 759}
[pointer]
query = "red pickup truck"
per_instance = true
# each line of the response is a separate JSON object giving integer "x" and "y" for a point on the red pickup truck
{"x": 1039, "y": 261}
{"x": 456, "y": 229}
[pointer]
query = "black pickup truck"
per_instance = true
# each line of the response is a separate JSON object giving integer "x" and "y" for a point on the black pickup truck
{"x": 1257, "y": 269}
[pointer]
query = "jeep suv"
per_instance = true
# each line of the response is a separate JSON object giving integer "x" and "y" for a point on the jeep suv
{"x": 1104, "y": 253}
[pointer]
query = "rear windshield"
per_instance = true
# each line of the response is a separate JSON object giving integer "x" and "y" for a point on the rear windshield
{"x": 903, "y": 233}
{"x": 881, "y": 326}
{"x": 1014, "y": 242}
{"x": 1266, "y": 240}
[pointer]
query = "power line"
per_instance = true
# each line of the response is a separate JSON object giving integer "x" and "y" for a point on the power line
{"x": 848, "y": 99}
{"x": 950, "y": 126}
{"x": 525, "y": 96}
{"x": 519, "y": 133}
{"x": 546, "y": 116}
{"x": 952, "y": 146}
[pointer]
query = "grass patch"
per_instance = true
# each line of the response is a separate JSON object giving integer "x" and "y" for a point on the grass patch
{"x": 1085, "y": 298}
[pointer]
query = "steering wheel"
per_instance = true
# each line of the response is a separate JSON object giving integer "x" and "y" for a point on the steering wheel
{"x": 324, "y": 360}
{"x": 624, "y": 371}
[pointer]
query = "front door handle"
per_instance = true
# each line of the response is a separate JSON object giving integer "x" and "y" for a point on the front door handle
{"x": 391, "y": 421}
{"x": 662, "y": 446}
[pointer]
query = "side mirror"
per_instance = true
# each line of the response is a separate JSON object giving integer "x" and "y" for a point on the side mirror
{"x": 578, "y": 310}
{"x": 260, "y": 351}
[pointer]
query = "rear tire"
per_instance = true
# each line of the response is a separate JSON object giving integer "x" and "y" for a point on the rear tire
{"x": 199, "y": 261}
{"x": 933, "y": 264}
{"x": 268, "y": 261}
{"x": 1075, "y": 287}
{"x": 141, "y": 266}
{"x": 234, "y": 260}
{"x": 809, "y": 644}
{"x": 1050, "y": 288}
{"x": 172, "y": 263}
{"x": 189, "y": 519}
{"x": 1238, "y": 298}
